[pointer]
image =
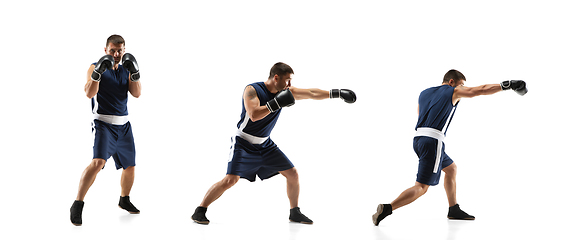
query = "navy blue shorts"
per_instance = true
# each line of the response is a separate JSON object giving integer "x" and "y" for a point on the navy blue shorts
{"x": 248, "y": 160}
{"x": 430, "y": 163}
{"x": 114, "y": 140}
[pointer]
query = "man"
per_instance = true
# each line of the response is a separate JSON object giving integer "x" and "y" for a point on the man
{"x": 253, "y": 153}
{"x": 108, "y": 85}
{"x": 436, "y": 109}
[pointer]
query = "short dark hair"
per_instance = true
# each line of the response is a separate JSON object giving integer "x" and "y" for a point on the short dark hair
{"x": 454, "y": 75}
{"x": 280, "y": 69}
{"x": 115, "y": 39}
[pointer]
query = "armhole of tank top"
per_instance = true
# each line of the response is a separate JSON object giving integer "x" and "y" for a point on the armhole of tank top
{"x": 451, "y": 95}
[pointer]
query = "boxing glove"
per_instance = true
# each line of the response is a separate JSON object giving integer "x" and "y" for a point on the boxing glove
{"x": 129, "y": 62}
{"x": 347, "y": 95}
{"x": 518, "y": 86}
{"x": 282, "y": 99}
{"x": 106, "y": 62}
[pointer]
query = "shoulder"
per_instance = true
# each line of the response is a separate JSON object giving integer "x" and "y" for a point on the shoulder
{"x": 256, "y": 86}
{"x": 250, "y": 92}
{"x": 249, "y": 88}
{"x": 459, "y": 89}
{"x": 445, "y": 89}
{"x": 253, "y": 85}
{"x": 436, "y": 88}
{"x": 430, "y": 91}
{"x": 457, "y": 93}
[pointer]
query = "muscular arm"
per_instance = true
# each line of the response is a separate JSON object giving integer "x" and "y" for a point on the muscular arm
{"x": 469, "y": 92}
{"x": 91, "y": 88}
{"x": 252, "y": 107}
{"x": 312, "y": 93}
{"x": 135, "y": 88}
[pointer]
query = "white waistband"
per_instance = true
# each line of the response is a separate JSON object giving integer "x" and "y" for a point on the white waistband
{"x": 250, "y": 138}
{"x": 112, "y": 119}
{"x": 429, "y": 132}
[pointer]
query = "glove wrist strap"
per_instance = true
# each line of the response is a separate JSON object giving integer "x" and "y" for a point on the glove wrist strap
{"x": 334, "y": 93}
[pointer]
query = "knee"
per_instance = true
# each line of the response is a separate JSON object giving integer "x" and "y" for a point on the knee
{"x": 422, "y": 188}
{"x": 451, "y": 170}
{"x": 229, "y": 181}
{"x": 291, "y": 174}
{"x": 98, "y": 163}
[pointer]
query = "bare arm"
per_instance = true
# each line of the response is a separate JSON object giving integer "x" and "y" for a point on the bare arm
{"x": 470, "y": 92}
{"x": 252, "y": 107}
{"x": 91, "y": 88}
{"x": 135, "y": 88}
{"x": 312, "y": 93}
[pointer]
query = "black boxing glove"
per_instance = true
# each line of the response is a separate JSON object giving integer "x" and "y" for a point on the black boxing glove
{"x": 129, "y": 62}
{"x": 282, "y": 99}
{"x": 518, "y": 86}
{"x": 106, "y": 62}
{"x": 347, "y": 95}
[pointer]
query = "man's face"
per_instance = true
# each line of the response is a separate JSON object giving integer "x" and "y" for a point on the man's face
{"x": 454, "y": 83}
{"x": 283, "y": 82}
{"x": 116, "y": 50}
{"x": 460, "y": 83}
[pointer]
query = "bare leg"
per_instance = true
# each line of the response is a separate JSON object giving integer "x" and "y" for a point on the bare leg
{"x": 213, "y": 194}
{"x": 89, "y": 176}
{"x": 127, "y": 181}
{"x": 292, "y": 186}
{"x": 218, "y": 189}
{"x": 450, "y": 184}
{"x": 410, "y": 195}
{"x": 454, "y": 211}
{"x": 295, "y": 214}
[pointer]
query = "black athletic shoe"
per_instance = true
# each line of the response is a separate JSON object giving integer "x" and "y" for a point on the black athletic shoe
{"x": 127, "y": 205}
{"x": 76, "y": 212}
{"x": 383, "y": 210}
{"x": 297, "y": 216}
{"x": 199, "y": 216}
{"x": 455, "y": 212}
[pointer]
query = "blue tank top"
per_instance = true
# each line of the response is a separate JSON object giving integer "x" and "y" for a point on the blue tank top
{"x": 112, "y": 96}
{"x": 263, "y": 127}
{"x": 435, "y": 108}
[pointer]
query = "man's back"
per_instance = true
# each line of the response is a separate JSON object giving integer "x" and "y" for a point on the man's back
{"x": 436, "y": 108}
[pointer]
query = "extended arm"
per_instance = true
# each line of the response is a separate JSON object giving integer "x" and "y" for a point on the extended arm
{"x": 311, "y": 93}
{"x": 518, "y": 86}
{"x": 470, "y": 92}
{"x": 317, "y": 94}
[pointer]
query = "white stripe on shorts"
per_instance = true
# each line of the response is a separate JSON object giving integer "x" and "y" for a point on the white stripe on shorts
{"x": 232, "y": 149}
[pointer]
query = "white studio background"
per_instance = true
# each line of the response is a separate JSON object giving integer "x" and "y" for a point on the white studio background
{"x": 197, "y": 56}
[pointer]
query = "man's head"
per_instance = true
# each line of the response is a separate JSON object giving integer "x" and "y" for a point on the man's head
{"x": 281, "y": 75}
{"x": 115, "y": 46}
{"x": 454, "y": 78}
